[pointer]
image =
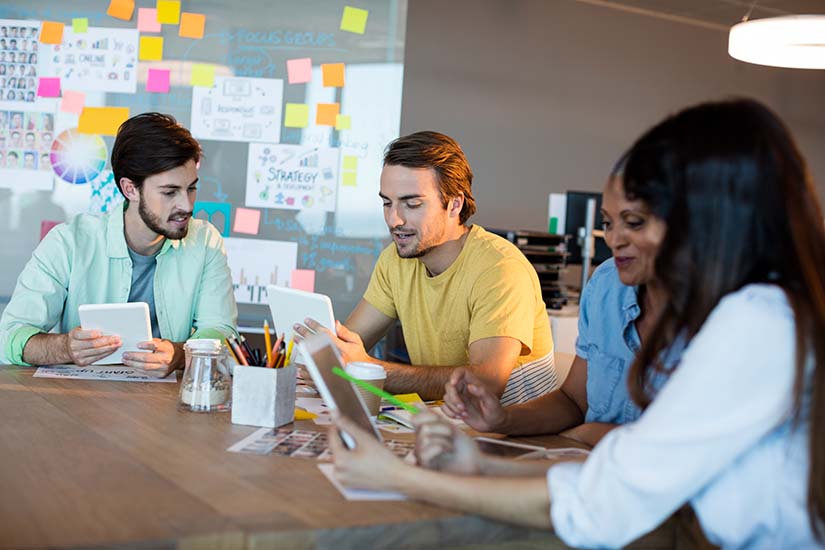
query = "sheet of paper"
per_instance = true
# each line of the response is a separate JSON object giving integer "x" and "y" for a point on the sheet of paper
{"x": 148, "y": 20}
{"x": 354, "y": 20}
{"x": 203, "y": 75}
{"x": 247, "y": 221}
{"x": 102, "y": 120}
{"x": 110, "y": 58}
{"x": 168, "y": 12}
{"x": 158, "y": 81}
{"x": 326, "y": 113}
{"x": 256, "y": 263}
{"x": 238, "y": 109}
{"x": 332, "y": 74}
{"x": 112, "y": 373}
{"x": 299, "y": 70}
{"x": 151, "y": 48}
{"x": 121, "y": 9}
{"x": 192, "y": 25}
{"x": 356, "y": 494}
{"x": 296, "y": 115}
{"x": 292, "y": 177}
{"x": 51, "y": 32}
{"x": 73, "y": 102}
{"x": 315, "y": 405}
{"x": 80, "y": 25}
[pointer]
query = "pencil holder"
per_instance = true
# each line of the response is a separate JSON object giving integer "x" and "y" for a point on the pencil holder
{"x": 263, "y": 397}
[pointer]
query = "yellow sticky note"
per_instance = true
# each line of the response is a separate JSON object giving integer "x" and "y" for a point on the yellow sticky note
{"x": 409, "y": 398}
{"x": 343, "y": 122}
{"x": 121, "y": 9}
{"x": 203, "y": 75}
{"x": 151, "y": 48}
{"x": 102, "y": 120}
{"x": 301, "y": 414}
{"x": 51, "y": 32}
{"x": 350, "y": 179}
{"x": 354, "y": 20}
{"x": 80, "y": 25}
{"x": 326, "y": 113}
{"x": 168, "y": 12}
{"x": 333, "y": 74}
{"x": 191, "y": 25}
{"x": 350, "y": 162}
{"x": 296, "y": 115}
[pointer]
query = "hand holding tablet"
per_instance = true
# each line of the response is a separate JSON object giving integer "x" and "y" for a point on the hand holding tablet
{"x": 129, "y": 322}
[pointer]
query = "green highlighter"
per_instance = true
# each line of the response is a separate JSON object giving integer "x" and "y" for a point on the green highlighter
{"x": 372, "y": 389}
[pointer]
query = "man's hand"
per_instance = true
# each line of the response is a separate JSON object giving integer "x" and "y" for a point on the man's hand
{"x": 158, "y": 362}
{"x": 467, "y": 398}
{"x": 84, "y": 347}
{"x": 348, "y": 342}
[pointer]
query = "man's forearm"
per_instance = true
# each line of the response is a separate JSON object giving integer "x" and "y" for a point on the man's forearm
{"x": 548, "y": 414}
{"x": 47, "y": 349}
{"x": 427, "y": 381}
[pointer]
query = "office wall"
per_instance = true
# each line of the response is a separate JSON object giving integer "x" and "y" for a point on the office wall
{"x": 544, "y": 95}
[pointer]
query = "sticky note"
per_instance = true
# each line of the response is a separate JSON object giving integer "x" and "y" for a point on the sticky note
{"x": 350, "y": 179}
{"x": 299, "y": 70}
{"x": 350, "y": 162}
{"x": 191, "y": 25}
{"x": 102, "y": 120}
{"x": 80, "y": 25}
{"x": 169, "y": 12}
{"x": 121, "y": 9}
{"x": 51, "y": 32}
{"x": 247, "y": 221}
{"x": 48, "y": 87}
{"x": 148, "y": 20}
{"x": 326, "y": 113}
{"x": 409, "y": 398}
{"x": 301, "y": 414}
{"x": 343, "y": 122}
{"x": 303, "y": 279}
{"x": 73, "y": 102}
{"x": 158, "y": 81}
{"x": 46, "y": 226}
{"x": 151, "y": 48}
{"x": 333, "y": 74}
{"x": 296, "y": 115}
{"x": 203, "y": 75}
{"x": 354, "y": 20}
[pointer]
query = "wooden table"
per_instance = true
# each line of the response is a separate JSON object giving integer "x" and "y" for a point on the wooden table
{"x": 90, "y": 463}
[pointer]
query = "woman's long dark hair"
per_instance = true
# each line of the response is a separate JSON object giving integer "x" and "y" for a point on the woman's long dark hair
{"x": 740, "y": 208}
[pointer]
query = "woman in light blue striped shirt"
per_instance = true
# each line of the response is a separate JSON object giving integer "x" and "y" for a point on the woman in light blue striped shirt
{"x": 737, "y": 431}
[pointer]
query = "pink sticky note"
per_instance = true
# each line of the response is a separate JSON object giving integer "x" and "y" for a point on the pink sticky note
{"x": 247, "y": 221}
{"x": 46, "y": 226}
{"x": 48, "y": 87}
{"x": 148, "y": 20}
{"x": 158, "y": 81}
{"x": 303, "y": 279}
{"x": 73, "y": 102}
{"x": 299, "y": 70}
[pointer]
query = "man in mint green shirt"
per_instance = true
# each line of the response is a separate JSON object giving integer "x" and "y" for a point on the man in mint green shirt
{"x": 150, "y": 249}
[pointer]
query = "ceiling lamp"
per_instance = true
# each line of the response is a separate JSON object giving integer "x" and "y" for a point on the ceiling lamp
{"x": 793, "y": 41}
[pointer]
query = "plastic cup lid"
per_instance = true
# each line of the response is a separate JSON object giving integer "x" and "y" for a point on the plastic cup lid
{"x": 366, "y": 371}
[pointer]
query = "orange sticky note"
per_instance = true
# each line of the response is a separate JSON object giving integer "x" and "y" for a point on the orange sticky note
{"x": 151, "y": 48}
{"x": 247, "y": 221}
{"x": 121, "y": 9}
{"x": 303, "y": 279}
{"x": 333, "y": 74}
{"x": 168, "y": 12}
{"x": 51, "y": 32}
{"x": 102, "y": 120}
{"x": 326, "y": 113}
{"x": 191, "y": 25}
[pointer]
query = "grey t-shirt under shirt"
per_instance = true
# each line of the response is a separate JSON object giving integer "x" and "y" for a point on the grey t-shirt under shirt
{"x": 143, "y": 285}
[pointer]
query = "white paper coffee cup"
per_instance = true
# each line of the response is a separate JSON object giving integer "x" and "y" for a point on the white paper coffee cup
{"x": 372, "y": 373}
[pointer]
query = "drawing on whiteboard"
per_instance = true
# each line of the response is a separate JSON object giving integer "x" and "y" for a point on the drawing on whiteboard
{"x": 238, "y": 109}
{"x": 293, "y": 177}
{"x": 255, "y": 263}
{"x": 101, "y": 59}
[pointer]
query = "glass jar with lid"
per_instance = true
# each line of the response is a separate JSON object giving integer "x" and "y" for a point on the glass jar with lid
{"x": 206, "y": 385}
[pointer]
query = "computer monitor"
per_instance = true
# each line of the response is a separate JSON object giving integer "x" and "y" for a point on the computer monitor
{"x": 575, "y": 217}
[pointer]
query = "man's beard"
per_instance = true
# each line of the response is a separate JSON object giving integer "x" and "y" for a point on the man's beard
{"x": 154, "y": 223}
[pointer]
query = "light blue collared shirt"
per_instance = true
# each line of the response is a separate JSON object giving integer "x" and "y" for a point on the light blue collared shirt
{"x": 608, "y": 341}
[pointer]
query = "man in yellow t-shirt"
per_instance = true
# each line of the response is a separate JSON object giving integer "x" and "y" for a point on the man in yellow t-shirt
{"x": 465, "y": 297}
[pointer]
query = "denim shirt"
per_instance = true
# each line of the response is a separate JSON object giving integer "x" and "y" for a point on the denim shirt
{"x": 608, "y": 341}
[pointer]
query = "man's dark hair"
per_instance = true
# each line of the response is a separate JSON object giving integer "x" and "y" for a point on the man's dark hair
{"x": 444, "y": 155}
{"x": 151, "y": 143}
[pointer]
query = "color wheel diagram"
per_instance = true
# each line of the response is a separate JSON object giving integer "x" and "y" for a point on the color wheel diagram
{"x": 78, "y": 158}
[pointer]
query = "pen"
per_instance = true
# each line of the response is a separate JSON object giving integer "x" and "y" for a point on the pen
{"x": 372, "y": 389}
{"x": 246, "y": 347}
{"x": 238, "y": 351}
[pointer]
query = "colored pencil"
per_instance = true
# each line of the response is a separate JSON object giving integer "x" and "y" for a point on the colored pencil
{"x": 268, "y": 342}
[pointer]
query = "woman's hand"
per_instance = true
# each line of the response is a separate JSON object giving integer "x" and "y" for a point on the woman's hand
{"x": 441, "y": 446}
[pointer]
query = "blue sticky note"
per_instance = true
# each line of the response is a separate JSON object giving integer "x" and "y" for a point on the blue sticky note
{"x": 218, "y": 214}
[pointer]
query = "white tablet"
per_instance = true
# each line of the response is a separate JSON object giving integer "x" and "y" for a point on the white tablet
{"x": 290, "y": 306}
{"x": 503, "y": 447}
{"x": 129, "y": 321}
{"x": 321, "y": 356}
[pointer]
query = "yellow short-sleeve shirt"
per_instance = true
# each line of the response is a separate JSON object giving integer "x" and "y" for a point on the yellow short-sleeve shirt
{"x": 489, "y": 290}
